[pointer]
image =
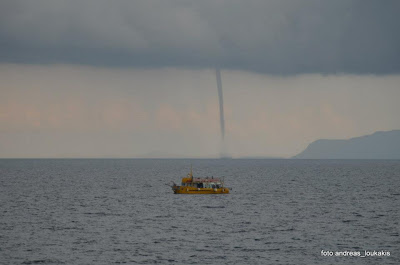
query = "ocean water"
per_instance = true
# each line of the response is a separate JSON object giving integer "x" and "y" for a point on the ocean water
{"x": 113, "y": 211}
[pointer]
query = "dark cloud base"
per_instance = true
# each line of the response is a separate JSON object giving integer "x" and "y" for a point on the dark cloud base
{"x": 274, "y": 37}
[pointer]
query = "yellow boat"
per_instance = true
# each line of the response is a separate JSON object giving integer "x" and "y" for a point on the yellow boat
{"x": 191, "y": 185}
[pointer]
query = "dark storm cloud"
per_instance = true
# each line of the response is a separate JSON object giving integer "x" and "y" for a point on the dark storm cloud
{"x": 277, "y": 37}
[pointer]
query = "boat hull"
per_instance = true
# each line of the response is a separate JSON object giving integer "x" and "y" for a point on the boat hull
{"x": 193, "y": 190}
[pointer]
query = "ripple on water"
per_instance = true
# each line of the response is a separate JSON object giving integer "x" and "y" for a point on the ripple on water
{"x": 119, "y": 211}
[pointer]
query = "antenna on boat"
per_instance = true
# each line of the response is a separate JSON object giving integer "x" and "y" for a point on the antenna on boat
{"x": 191, "y": 171}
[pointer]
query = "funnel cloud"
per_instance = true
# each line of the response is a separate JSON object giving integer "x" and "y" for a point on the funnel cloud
{"x": 221, "y": 103}
{"x": 224, "y": 152}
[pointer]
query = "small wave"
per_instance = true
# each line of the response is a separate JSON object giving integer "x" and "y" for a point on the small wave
{"x": 58, "y": 228}
{"x": 378, "y": 216}
{"x": 214, "y": 207}
{"x": 103, "y": 214}
{"x": 348, "y": 221}
{"x": 162, "y": 216}
{"x": 42, "y": 261}
{"x": 357, "y": 214}
{"x": 98, "y": 213}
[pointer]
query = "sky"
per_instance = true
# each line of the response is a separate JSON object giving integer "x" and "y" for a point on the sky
{"x": 97, "y": 78}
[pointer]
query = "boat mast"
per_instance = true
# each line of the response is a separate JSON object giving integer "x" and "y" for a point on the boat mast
{"x": 191, "y": 172}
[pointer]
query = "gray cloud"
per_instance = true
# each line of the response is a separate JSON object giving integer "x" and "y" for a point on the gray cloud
{"x": 276, "y": 37}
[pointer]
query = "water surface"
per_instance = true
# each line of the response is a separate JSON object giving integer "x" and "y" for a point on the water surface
{"x": 106, "y": 211}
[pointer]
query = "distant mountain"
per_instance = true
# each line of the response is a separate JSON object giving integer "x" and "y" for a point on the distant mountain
{"x": 379, "y": 145}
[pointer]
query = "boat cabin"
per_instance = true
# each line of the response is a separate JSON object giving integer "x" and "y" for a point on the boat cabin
{"x": 212, "y": 183}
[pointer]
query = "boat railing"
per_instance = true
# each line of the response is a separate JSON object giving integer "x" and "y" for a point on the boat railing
{"x": 206, "y": 180}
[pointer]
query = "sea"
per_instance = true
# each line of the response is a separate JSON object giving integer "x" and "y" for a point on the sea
{"x": 123, "y": 211}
